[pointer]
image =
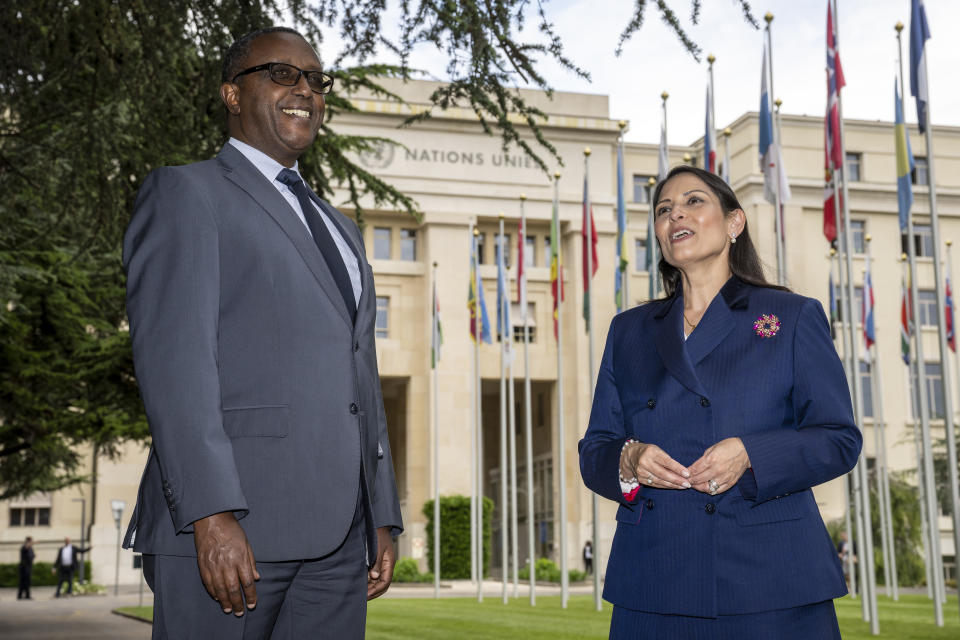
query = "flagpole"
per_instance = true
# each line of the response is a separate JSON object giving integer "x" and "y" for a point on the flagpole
{"x": 528, "y": 425}
{"x": 502, "y": 321}
{"x": 479, "y": 435}
{"x": 478, "y": 335}
{"x": 663, "y": 167}
{"x": 622, "y": 236}
{"x": 914, "y": 420}
{"x": 868, "y": 577}
{"x": 514, "y": 517}
{"x": 561, "y": 434}
{"x": 851, "y": 537}
{"x": 879, "y": 441}
{"x": 936, "y": 558}
{"x": 781, "y": 275}
{"x": 713, "y": 115}
{"x": 726, "y": 154}
{"x": 436, "y": 442}
{"x": 653, "y": 269}
{"x": 954, "y": 478}
{"x": 781, "y": 218}
{"x": 588, "y": 251}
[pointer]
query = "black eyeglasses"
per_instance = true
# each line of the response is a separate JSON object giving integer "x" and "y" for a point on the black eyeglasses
{"x": 289, "y": 75}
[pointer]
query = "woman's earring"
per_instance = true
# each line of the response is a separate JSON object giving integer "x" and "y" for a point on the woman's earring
{"x": 733, "y": 239}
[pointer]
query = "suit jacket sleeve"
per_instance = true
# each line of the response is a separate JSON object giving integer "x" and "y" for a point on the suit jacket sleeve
{"x": 825, "y": 441}
{"x": 606, "y": 434}
{"x": 172, "y": 263}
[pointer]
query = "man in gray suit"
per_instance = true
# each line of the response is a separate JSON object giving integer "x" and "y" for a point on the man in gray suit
{"x": 269, "y": 491}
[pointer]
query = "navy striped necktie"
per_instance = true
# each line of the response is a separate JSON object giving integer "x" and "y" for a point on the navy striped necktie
{"x": 321, "y": 235}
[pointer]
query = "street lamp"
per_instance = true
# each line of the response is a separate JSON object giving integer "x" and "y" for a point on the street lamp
{"x": 83, "y": 532}
{"x": 117, "y": 506}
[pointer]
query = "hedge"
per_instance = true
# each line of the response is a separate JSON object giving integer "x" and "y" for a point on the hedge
{"x": 455, "y": 535}
{"x": 42, "y": 575}
{"x": 548, "y": 571}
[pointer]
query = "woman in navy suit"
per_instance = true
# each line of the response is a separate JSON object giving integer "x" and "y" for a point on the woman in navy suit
{"x": 720, "y": 405}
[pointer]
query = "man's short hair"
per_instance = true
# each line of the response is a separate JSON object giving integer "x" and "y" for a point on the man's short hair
{"x": 235, "y": 58}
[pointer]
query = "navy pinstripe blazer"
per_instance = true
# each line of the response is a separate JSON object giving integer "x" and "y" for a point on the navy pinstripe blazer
{"x": 762, "y": 544}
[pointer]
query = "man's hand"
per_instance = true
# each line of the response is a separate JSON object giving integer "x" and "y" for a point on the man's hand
{"x": 226, "y": 562}
{"x": 381, "y": 573}
{"x": 723, "y": 463}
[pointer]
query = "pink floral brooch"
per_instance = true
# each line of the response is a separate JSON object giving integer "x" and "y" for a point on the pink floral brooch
{"x": 767, "y": 325}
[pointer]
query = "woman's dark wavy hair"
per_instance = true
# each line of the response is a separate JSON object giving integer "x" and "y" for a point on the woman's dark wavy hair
{"x": 744, "y": 261}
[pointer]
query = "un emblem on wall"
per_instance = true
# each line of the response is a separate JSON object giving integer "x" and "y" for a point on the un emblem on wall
{"x": 379, "y": 156}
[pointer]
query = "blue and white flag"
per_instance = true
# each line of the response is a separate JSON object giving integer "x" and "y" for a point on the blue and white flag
{"x": 919, "y": 34}
{"x": 504, "y": 331}
{"x": 771, "y": 161}
{"x": 905, "y": 163}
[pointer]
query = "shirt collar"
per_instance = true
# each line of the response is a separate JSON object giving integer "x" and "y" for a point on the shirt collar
{"x": 266, "y": 165}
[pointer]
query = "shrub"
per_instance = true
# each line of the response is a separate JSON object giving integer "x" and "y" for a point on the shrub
{"x": 455, "y": 535}
{"x": 548, "y": 571}
{"x": 42, "y": 576}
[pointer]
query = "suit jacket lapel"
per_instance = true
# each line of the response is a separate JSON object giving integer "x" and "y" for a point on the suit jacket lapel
{"x": 242, "y": 173}
{"x": 671, "y": 347}
{"x": 718, "y": 321}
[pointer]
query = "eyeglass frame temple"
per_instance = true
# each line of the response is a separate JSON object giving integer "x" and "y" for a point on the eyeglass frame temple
{"x": 301, "y": 73}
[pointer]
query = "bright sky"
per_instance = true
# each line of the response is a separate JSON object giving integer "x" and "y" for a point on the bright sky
{"x": 654, "y": 61}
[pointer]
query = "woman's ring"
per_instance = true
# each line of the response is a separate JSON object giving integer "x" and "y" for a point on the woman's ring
{"x": 713, "y": 486}
{"x": 650, "y": 478}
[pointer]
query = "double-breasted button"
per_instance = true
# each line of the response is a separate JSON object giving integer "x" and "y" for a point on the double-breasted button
{"x": 651, "y": 403}
{"x": 649, "y": 503}
{"x": 710, "y": 508}
{"x": 354, "y": 408}
{"x": 356, "y": 347}
{"x": 704, "y": 402}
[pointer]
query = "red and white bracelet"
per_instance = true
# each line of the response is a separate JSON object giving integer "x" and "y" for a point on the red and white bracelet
{"x": 628, "y": 486}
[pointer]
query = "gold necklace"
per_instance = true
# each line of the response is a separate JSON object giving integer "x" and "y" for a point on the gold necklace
{"x": 692, "y": 326}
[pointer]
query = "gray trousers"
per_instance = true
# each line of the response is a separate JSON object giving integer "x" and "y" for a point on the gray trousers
{"x": 317, "y": 598}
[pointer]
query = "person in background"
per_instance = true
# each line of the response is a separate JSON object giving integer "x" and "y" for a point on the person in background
{"x": 26, "y": 569}
{"x": 588, "y": 556}
{"x": 68, "y": 558}
{"x": 717, "y": 408}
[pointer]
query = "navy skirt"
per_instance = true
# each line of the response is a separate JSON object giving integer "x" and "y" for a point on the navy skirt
{"x": 810, "y": 621}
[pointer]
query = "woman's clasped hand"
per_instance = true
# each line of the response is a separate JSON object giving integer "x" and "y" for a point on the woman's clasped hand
{"x": 716, "y": 471}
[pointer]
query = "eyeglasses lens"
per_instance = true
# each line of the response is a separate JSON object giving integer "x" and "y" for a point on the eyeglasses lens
{"x": 289, "y": 75}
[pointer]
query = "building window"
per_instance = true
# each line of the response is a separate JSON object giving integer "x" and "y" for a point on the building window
{"x": 547, "y": 251}
{"x": 927, "y": 307}
{"x": 854, "y": 162}
{"x": 922, "y": 241}
{"x": 506, "y": 245}
{"x": 408, "y": 245}
{"x": 640, "y": 254}
{"x": 383, "y": 319}
{"x": 517, "y": 322}
{"x": 641, "y": 189}
{"x": 858, "y": 236}
{"x": 481, "y": 247}
{"x": 934, "y": 389}
{"x": 857, "y": 303}
{"x": 30, "y": 516}
{"x": 530, "y": 252}
{"x": 920, "y": 175}
{"x": 866, "y": 385}
{"x": 381, "y": 243}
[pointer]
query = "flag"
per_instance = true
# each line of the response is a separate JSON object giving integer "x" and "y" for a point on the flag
{"x": 725, "y": 174}
{"x": 621, "y": 272}
{"x": 867, "y": 314}
{"x": 771, "y": 161}
{"x": 905, "y": 162}
{"x": 905, "y": 324}
{"x": 948, "y": 311}
{"x": 504, "y": 330}
{"x": 436, "y": 339}
{"x": 834, "y": 314}
{"x": 919, "y": 34}
{"x": 588, "y": 245}
{"x": 475, "y": 301}
{"x": 556, "y": 268}
{"x": 663, "y": 154}
{"x": 833, "y": 155}
{"x": 710, "y": 135}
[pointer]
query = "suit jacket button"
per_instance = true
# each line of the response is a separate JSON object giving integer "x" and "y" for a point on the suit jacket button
{"x": 353, "y": 408}
{"x": 356, "y": 347}
{"x": 649, "y": 503}
{"x": 710, "y": 508}
{"x": 704, "y": 402}
{"x": 651, "y": 403}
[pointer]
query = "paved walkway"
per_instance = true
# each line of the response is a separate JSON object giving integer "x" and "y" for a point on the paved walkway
{"x": 90, "y": 617}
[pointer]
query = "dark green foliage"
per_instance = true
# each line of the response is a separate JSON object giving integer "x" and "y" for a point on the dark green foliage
{"x": 407, "y": 571}
{"x": 548, "y": 571}
{"x": 455, "y": 536}
{"x": 907, "y": 532}
{"x": 43, "y": 575}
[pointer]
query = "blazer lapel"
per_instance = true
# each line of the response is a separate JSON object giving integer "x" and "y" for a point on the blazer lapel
{"x": 718, "y": 320}
{"x": 671, "y": 347}
{"x": 242, "y": 173}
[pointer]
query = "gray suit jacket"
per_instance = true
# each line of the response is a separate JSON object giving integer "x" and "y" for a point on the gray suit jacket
{"x": 262, "y": 397}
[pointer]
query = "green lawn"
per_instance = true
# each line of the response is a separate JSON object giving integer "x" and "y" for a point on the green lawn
{"x": 466, "y": 619}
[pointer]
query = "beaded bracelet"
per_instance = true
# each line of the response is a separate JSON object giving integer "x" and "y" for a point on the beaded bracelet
{"x": 627, "y": 486}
